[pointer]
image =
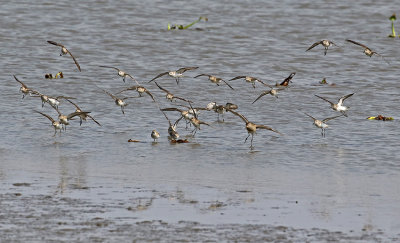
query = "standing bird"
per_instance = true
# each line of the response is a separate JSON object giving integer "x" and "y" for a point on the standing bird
{"x": 325, "y": 43}
{"x": 367, "y": 50}
{"x": 24, "y": 89}
{"x": 252, "y": 128}
{"x": 339, "y": 106}
{"x": 140, "y": 89}
{"x": 65, "y": 51}
{"x": 56, "y": 124}
{"x": 322, "y": 124}
{"x": 214, "y": 79}
{"x": 249, "y": 79}
{"x": 173, "y": 134}
{"x": 118, "y": 101}
{"x": 122, "y": 74}
{"x": 175, "y": 74}
{"x": 83, "y": 115}
{"x": 169, "y": 95}
{"x": 155, "y": 135}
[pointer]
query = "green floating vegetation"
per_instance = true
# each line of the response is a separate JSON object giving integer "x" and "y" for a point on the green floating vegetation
{"x": 393, "y": 18}
{"x": 181, "y": 27}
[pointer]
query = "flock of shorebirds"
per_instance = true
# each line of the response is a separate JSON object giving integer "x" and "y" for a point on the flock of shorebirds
{"x": 186, "y": 108}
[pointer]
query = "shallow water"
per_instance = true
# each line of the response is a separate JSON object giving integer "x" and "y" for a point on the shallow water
{"x": 90, "y": 183}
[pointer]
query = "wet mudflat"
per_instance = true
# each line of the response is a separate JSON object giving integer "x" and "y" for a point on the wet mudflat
{"x": 90, "y": 183}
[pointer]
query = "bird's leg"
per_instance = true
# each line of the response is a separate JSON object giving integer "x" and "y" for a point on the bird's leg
{"x": 55, "y": 132}
{"x": 251, "y": 142}
{"x": 123, "y": 79}
{"x": 177, "y": 80}
{"x": 80, "y": 121}
{"x": 122, "y": 109}
{"x": 247, "y": 138}
{"x": 326, "y": 49}
{"x": 254, "y": 85}
{"x": 194, "y": 131}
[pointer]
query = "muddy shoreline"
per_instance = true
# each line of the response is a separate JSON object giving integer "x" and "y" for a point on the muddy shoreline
{"x": 56, "y": 218}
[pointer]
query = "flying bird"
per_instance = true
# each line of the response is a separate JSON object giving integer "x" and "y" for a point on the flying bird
{"x": 65, "y": 51}
{"x": 24, "y": 89}
{"x": 325, "y": 43}
{"x": 367, "y": 50}
{"x": 83, "y": 115}
{"x": 252, "y": 127}
{"x": 339, "y": 106}
{"x": 214, "y": 79}
{"x": 118, "y": 101}
{"x": 249, "y": 79}
{"x": 169, "y": 95}
{"x": 122, "y": 74}
{"x": 56, "y": 124}
{"x": 140, "y": 89}
{"x": 322, "y": 123}
{"x": 175, "y": 74}
{"x": 287, "y": 80}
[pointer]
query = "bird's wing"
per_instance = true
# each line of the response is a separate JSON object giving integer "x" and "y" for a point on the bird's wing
{"x": 341, "y": 100}
{"x": 288, "y": 79}
{"x": 180, "y": 98}
{"x": 134, "y": 87}
{"x": 49, "y": 117}
{"x": 110, "y": 67}
{"x": 314, "y": 45}
{"x": 239, "y": 115}
{"x": 69, "y": 116}
{"x": 55, "y": 43}
{"x": 166, "y": 91}
{"x": 73, "y": 58}
{"x": 23, "y": 85}
{"x": 238, "y": 77}
{"x": 354, "y": 42}
{"x": 184, "y": 69}
{"x": 94, "y": 120}
{"x": 268, "y": 128}
{"x": 203, "y": 74}
{"x": 148, "y": 92}
{"x": 76, "y": 106}
{"x": 227, "y": 84}
{"x": 324, "y": 99}
{"x": 310, "y": 116}
{"x": 171, "y": 109}
{"x": 333, "y": 43}
{"x": 112, "y": 96}
{"x": 63, "y": 97}
{"x": 161, "y": 74}
{"x": 330, "y": 118}
{"x": 261, "y": 95}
